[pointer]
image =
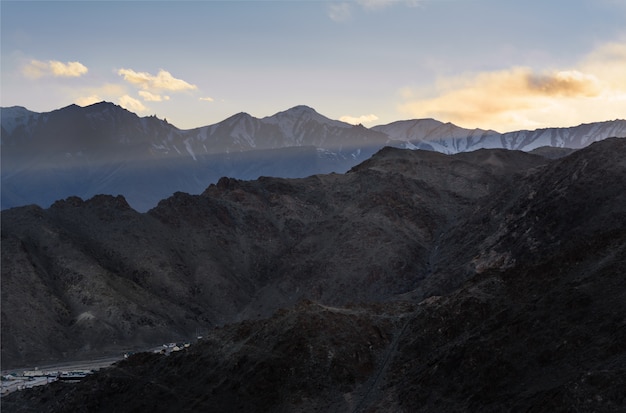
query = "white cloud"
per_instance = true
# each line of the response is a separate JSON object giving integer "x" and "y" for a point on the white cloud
{"x": 207, "y": 99}
{"x": 37, "y": 68}
{"x": 155, "y": 83}
{"x": 521, "y": 98}
{"x": 151, "y": 97}
{"x": 375, "y": 4}
{"x": 340, "y": 12}
{"x": 132, "y": 104}
{"x": 355, "y": 120}
{"x": 380, "y": 4}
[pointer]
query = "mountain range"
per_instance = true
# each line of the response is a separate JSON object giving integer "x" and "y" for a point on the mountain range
{"x": 105, "y": 149}
{"x": 490, "y": 281}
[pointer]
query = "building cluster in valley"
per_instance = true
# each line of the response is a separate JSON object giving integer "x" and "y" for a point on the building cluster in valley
{"x": 32, "y": 378}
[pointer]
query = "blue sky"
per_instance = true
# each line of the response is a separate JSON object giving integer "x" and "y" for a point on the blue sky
{"x": 498, "y": 64}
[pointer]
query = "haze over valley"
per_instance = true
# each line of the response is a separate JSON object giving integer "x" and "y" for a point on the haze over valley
{"x": 105, "y": 149}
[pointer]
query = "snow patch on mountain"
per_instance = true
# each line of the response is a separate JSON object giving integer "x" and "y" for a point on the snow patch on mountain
{"x": 189, "y": 149}
{"x": 449, "y": 139}
{"x": 297, "y": 121}
{"x": 119, "y": 130}
{"x": 14, "y": 116}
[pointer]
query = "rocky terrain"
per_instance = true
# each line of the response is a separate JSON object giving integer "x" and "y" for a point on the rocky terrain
{"x": 102, "y": 275}
{"x": 483, "y": 281}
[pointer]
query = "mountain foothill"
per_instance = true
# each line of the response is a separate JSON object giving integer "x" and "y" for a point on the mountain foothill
{"x": 487, "y": 277}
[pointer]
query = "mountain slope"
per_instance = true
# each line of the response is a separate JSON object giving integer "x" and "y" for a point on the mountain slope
{"x": 240, "y": 249}
{"x": 104, "y": 131}
{"x": 404, "y": 224}
{"x": 543, "y": 333}
{"x": 433, "y": 135}
{"x": 506, "y": 295}
{"x": 105, "y": 149}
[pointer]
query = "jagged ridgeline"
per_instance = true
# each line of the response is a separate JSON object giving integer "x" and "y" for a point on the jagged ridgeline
{"x": 105, "y": 149}
{"x": 490, "y": 280}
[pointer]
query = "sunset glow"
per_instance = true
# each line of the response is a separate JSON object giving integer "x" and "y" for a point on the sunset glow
{"x": 484, "y": 64}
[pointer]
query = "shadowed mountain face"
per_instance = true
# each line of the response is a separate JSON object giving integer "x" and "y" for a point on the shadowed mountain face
{"x": 105, "y": 149}
{"x": 495, "y": 281}
{"x": 241, "y": 249}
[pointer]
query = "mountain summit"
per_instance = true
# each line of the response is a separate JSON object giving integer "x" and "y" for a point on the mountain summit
{"x": 103, "y": 148}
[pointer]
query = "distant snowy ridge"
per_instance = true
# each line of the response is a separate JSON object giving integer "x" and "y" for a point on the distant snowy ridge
{"x": 106, "y": 149}
{"x": 574, "y": 137}
{"x": 105, "y": 125}
{"x": 447, "y": 138}
{"x": 15, "y": 116}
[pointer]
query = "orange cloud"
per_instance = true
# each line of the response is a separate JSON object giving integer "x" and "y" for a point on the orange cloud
{"x": 565, "y": 83}
{"x": 520, "y": 98}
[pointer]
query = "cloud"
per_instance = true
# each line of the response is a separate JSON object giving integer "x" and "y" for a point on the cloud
{"x": 151, "y": 97}
{"x": 359, "y": 119}
{"x": 160, "y": 82}
{"x": 520, "y": 98}
{"x": 88, "y": 100}
{"x": 37, "y": 68}
{"x": 132, "y": 104}
{"x": 207, "y": 99}
{"x": 340, "y": 12}
{"x": 564, "y": 83}
{"x": 376, "y": 4}
{"x": 608, "y": 62}
{"x": 69, "y": 69}
{"x": 90, "y": 95}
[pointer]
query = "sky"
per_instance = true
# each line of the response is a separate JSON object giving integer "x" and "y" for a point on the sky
{"x": 492, "y": 64}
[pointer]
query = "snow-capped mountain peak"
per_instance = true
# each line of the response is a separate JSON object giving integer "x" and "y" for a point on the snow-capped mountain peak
{"x": 301, "y": 114}
{"x": 107, "y": 148}
{"x": 105, "y": 124}
{"x": 13, "y": 116}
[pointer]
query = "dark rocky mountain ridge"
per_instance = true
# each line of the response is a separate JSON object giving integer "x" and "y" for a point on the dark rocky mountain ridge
{"x": 241, "y": 249}
{"x": 483, "y": 281}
